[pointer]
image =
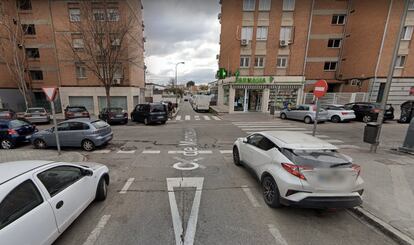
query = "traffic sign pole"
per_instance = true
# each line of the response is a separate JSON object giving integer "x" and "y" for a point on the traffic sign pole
{"x": 315, "y": 122}
{"x": 319, "y": 90}
{"x": 52, "y": 104}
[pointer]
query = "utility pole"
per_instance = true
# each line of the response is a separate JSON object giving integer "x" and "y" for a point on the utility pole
{"x": 387, "y": 88}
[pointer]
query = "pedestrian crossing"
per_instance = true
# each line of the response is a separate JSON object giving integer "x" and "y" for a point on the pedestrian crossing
{"x": 153, "y": 152}
{"x": 196, "y": 118}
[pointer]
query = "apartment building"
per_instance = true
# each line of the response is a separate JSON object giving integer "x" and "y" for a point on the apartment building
{"x": 48, "y": 25}
{"x": 274, "y": 50}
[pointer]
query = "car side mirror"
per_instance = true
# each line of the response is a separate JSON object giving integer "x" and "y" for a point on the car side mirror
{"x": 87, "y": 172}
{"x": 245, "y": 140}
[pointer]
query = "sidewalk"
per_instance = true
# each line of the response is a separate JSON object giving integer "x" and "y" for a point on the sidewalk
{"x": 21, "y": 154}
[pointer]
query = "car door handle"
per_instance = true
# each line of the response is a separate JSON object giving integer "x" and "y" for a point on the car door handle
{"x": 59, "y": 204}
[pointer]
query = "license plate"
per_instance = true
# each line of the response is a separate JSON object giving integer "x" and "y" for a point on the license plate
{"x": 28, "y": 137}
{"x": 388, "y": 112}
{"x": 160, "y": 117}
{"x": 331, "y": 178}
{"x": 78, "y": 114}
{"x": 119, "y": 116}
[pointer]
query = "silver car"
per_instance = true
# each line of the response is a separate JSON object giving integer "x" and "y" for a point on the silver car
{"x": 306, "y": 113}
{"x": 37, "y": 115}
{"x": 81, "y": 132}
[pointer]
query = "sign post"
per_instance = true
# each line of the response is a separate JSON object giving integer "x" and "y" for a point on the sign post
{"x": 319, "y": 90}
{"x": 51, "y": 95}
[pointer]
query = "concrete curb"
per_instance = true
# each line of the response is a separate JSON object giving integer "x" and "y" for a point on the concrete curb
{"x": 383, "y": 226}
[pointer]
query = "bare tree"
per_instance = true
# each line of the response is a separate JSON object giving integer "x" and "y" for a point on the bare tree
{"x": 103, "y": 41}
{"x": 12, "y": 53}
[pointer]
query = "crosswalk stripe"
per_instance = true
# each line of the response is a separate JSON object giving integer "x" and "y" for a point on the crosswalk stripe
{"x": 216, "y": 118}
{"x": 252, "y": 132}
{"x": 151, "y": 152}
{"x": 126, "y": 152}
{"x": 206, "y": 118}
{"x": 197, "y": 118}
{"x": 102, "y": 151}
{"x": 226, "y": 151}
{"x": 266, "y": 126}
{"x": 178, "y": 118}
{"x": 187, "y": 117}
{"x": 274, "y": 129}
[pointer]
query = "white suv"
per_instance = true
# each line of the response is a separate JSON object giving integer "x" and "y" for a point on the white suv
{"x": 297, "y": 169}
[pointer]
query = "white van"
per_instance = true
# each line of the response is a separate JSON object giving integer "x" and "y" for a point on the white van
{"x": 201, "y": 102}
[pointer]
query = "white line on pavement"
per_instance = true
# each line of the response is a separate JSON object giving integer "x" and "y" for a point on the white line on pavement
{"x": 206, "y": 118}
{"x": 93, "y": 236}
{"x": 187, "y": 117}
{"x": 273, "y": 129}
{"x": 226, "y": 151}
{"x": 348, "y": 147}
{"x": 175, "y": 152}
{"x": 322, "y": 136}
{"x": 276, "y": 234}
{"x": 250, "y": 196}
{"x": 216, "y": 118}
{"x": 178, "y": 118}
{"x": 204, "y": 152}
{"x": 126, "y": 152}
{"x": 197, "y": 118}
{"x": 151, "y": 152}
{"x": 263, "y": 126}
{"x": 334, "y": 141}
{"x": 128, "y": 183}
{"x": 102, "y": 151}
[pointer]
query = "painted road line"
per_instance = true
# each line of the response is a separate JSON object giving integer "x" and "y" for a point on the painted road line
{"x": 276, "y": 234}
{"x": 262, "y": 130}
{"x": 175, "y": 152}
{"x": 207, "y": 118}
{"x": 93, "y": 236}
{"x": 205, "y": 152}
{"x": 128, "y": 183}
{"x": 178, "y": 118}
{"x": 334, "y": 141}
{"x": 322, "y": 136}
{"x": 273, "y": 129}
{"x": 126, "y": 152}
{"x": 250, "y": 196}
{"x": 197, "y": 117}
{"x": 263, "y": 126}
{"x": 348, "y": 147}
{"x": 187, "y": 117}
{"x": 102, "y": 151}
{"x": 151, "y": 152}
{"x": 226, "y": 151}
{"x": 264, "y": 123}
{"x": 216, "y": 118}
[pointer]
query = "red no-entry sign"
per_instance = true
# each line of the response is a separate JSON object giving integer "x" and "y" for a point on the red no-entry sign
{"x": 320, "y": 88}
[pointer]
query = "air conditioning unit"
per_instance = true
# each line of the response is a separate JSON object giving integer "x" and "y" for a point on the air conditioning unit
{"x": 244, "y": 42}
{"x": 117, "y": 81}
{"x": 283, "y": 43}
{"x": 219, "y": 16}
{"x": 217, "y": 56}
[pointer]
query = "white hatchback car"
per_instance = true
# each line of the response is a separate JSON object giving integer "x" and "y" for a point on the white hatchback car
{"x": 338, "y": 113}
{"x": 40, "y": 199}
{"x": 296, "y": 169}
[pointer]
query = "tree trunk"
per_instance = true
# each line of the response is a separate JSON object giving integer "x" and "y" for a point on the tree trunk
{"x": 108, "y": 96}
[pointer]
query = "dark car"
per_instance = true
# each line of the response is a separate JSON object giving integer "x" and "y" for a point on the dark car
{"x": 150, "y": 113}
{"x": 13, "y": 132}
{"x": 114, "y": 115}
{"x": 7, "y": 114}
{"x": 368, "y": 112}
{"x": 72, "y": 112}
{"x": 407, "y": 111}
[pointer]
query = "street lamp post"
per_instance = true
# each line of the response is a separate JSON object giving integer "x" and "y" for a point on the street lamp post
{"x": 176, "y": 65}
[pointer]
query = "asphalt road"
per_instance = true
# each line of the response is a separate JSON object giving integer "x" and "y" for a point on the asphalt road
{"x": 155, "y": 199}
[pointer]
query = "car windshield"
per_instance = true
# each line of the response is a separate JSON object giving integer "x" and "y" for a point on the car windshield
{"x": 36, "y": 110}
{"x": 316, "y": 158}
{"x": 18, "y": 123}
{"x": 157, "y": 108}
{"x": 76, "y": 109}
{"x": 99, "y": 124}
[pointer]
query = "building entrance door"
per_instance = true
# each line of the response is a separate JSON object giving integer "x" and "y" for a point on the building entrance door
{"x": 255, "y": 100}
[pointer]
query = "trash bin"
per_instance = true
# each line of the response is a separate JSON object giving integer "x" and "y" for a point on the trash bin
{"x": 272, "y": 110}
{"x": 371, "y": 132}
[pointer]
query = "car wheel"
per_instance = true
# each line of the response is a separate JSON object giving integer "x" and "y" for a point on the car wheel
{"x": 335, "y": 119}
{"x": 271, "y": 192}
{"x": 307, "y": 120}
{"x": 39, "y": 144}
{"x": 403, "y": 119}
{"x": 366, "y": 119}
{"x": 6, "y": 144}
{"x": 146, "y": 122}
{"x": 102, "y": 190}
{"x": 236, "y": 156}
{"x": 283, "y": 116}
{"x": 88, "y": 145}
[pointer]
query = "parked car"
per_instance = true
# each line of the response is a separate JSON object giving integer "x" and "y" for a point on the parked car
{"x": 296, "y": 169}
{"x": 72, "y": 112}
{"x": 368, "y": 112}
{"x": 43, "y": 198}
{"x": 201, "y": 102}
{"x": 7, "y": 114}
{"x": 338, "y": 113}
{"x": 407, "y": 111}
{"x": 37, "y": 115}
{"x": 114, "y": 115}
{"x": 150, "y": 113}
{"x": 13, "y": 132}
{"x": 306, "y": 113}
{"x": 84, "y": 133}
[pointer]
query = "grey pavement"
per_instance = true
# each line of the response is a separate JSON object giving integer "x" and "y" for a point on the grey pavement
{"x": 30, "y": 154}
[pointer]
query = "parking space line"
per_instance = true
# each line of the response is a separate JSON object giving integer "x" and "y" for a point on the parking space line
{"x": 178, "y": 118}
{"x": 207, "y": 118}
{"x": 128, "y": 183}
{"x": 216, "y": 118}
{"x": 187, "y": 117}
{"x": 126, "y": 152}
{"x": 226, "y": 151}
{"x": 197, "y": 118}
{"x": 101, "y": 151}
{"x": 250, "y": 196}
{"x": 151, "y": 152}
{"x": 93, "y": 236}
{"x": 276, "y": 234}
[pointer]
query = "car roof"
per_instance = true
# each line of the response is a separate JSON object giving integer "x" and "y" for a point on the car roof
{"x": 81, "y": 120}
{"x": 10, "y": 170}
{"x": 297, "y": 140}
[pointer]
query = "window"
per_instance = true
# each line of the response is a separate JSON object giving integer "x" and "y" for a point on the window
{"x": 247, "y": 32}
{"x": 115, "y": 40}
{"x": 113, "y": 14}
{"x": 286, "y": 33}
{"x": 411, "y": 5}
{"x": 63, "y": 126}
{"x": 36, "y": 75}
{"x": 261, "y": 33}
{"x": 80, "y": 71}
{"x": 254, "y": 139}
{"x": 338, "y": 19}
{"x": 244, "y": 61}
{"x": 265, "y": 144}
{"x": 59, "y": 178}
{"x": 330, "y": 66}
{"x": 98, "y": 14}
{"x": 78, "y": 126}
{"x": 74, "y": 15}
{"x": 248, "y": 5}
{"x": 77, "y": 43}
{"x": 21, "y": 200}
{"x": 334, "y": 43}
{"x": 32, "y": 53}
{"x": 24, "y": 4}
{"x": 400, "y": 61}
{"x": 264, "y": 5}
{"x": 407, "y": 32}
{"x": 259, "y": 61}
{"x": 282, "y": 61}
{"x": 29, "y": 29}
{"x": 288, "y": 5}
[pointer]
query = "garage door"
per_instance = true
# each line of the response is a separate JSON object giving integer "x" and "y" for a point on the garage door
{"x": 86, "y": 101}
{"x": 116, "y": 101}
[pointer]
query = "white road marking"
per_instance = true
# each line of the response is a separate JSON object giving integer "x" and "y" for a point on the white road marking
{"x": 197, "y": 118}
{"x": 207, "y": 118}
{"x": 175, "y": 152}
{"x": 273, "y": 129}
{"x": 192, "y": 220}
{"x": 226, "y": 151}
{"x": 128, "y": 183}
{"x": 178, "y": 118}
{"x": 205, "y": 152}
{"x": 93, "y": 236}
{"x": 334, "y": 141}
{"x": 194, "y": 164}
{"x": 126, "y": 152}
{"x": 276, "y": 234}
{"x": 151, "y": 152}
{"x": 187, "y": 117}
{"x": 322, "y": 136}
{"x": 102, "y": 151}
{"x": 261, "y": 123}
{"x": 250, "y": 196}
{"x": 216, "y": 118}
{"x": 348, "y": 147}
{"x": 263, "y": 126}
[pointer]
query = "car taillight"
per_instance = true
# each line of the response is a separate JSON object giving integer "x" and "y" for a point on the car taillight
{"x": 356, "y": 168}
{"x": 85, "y": 113}
{"x": 69, "y": 113}
{"x": 344, "y": 113}
{"x": 375, "y": 111}
{"x": 12, "y": 132}
{"x": 295, "y": 170}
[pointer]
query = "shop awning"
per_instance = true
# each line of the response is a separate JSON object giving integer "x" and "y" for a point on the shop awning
{"x": 263, "y": 86}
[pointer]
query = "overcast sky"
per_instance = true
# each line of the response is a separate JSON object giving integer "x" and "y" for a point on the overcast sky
{"x": 181, "y": 30}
